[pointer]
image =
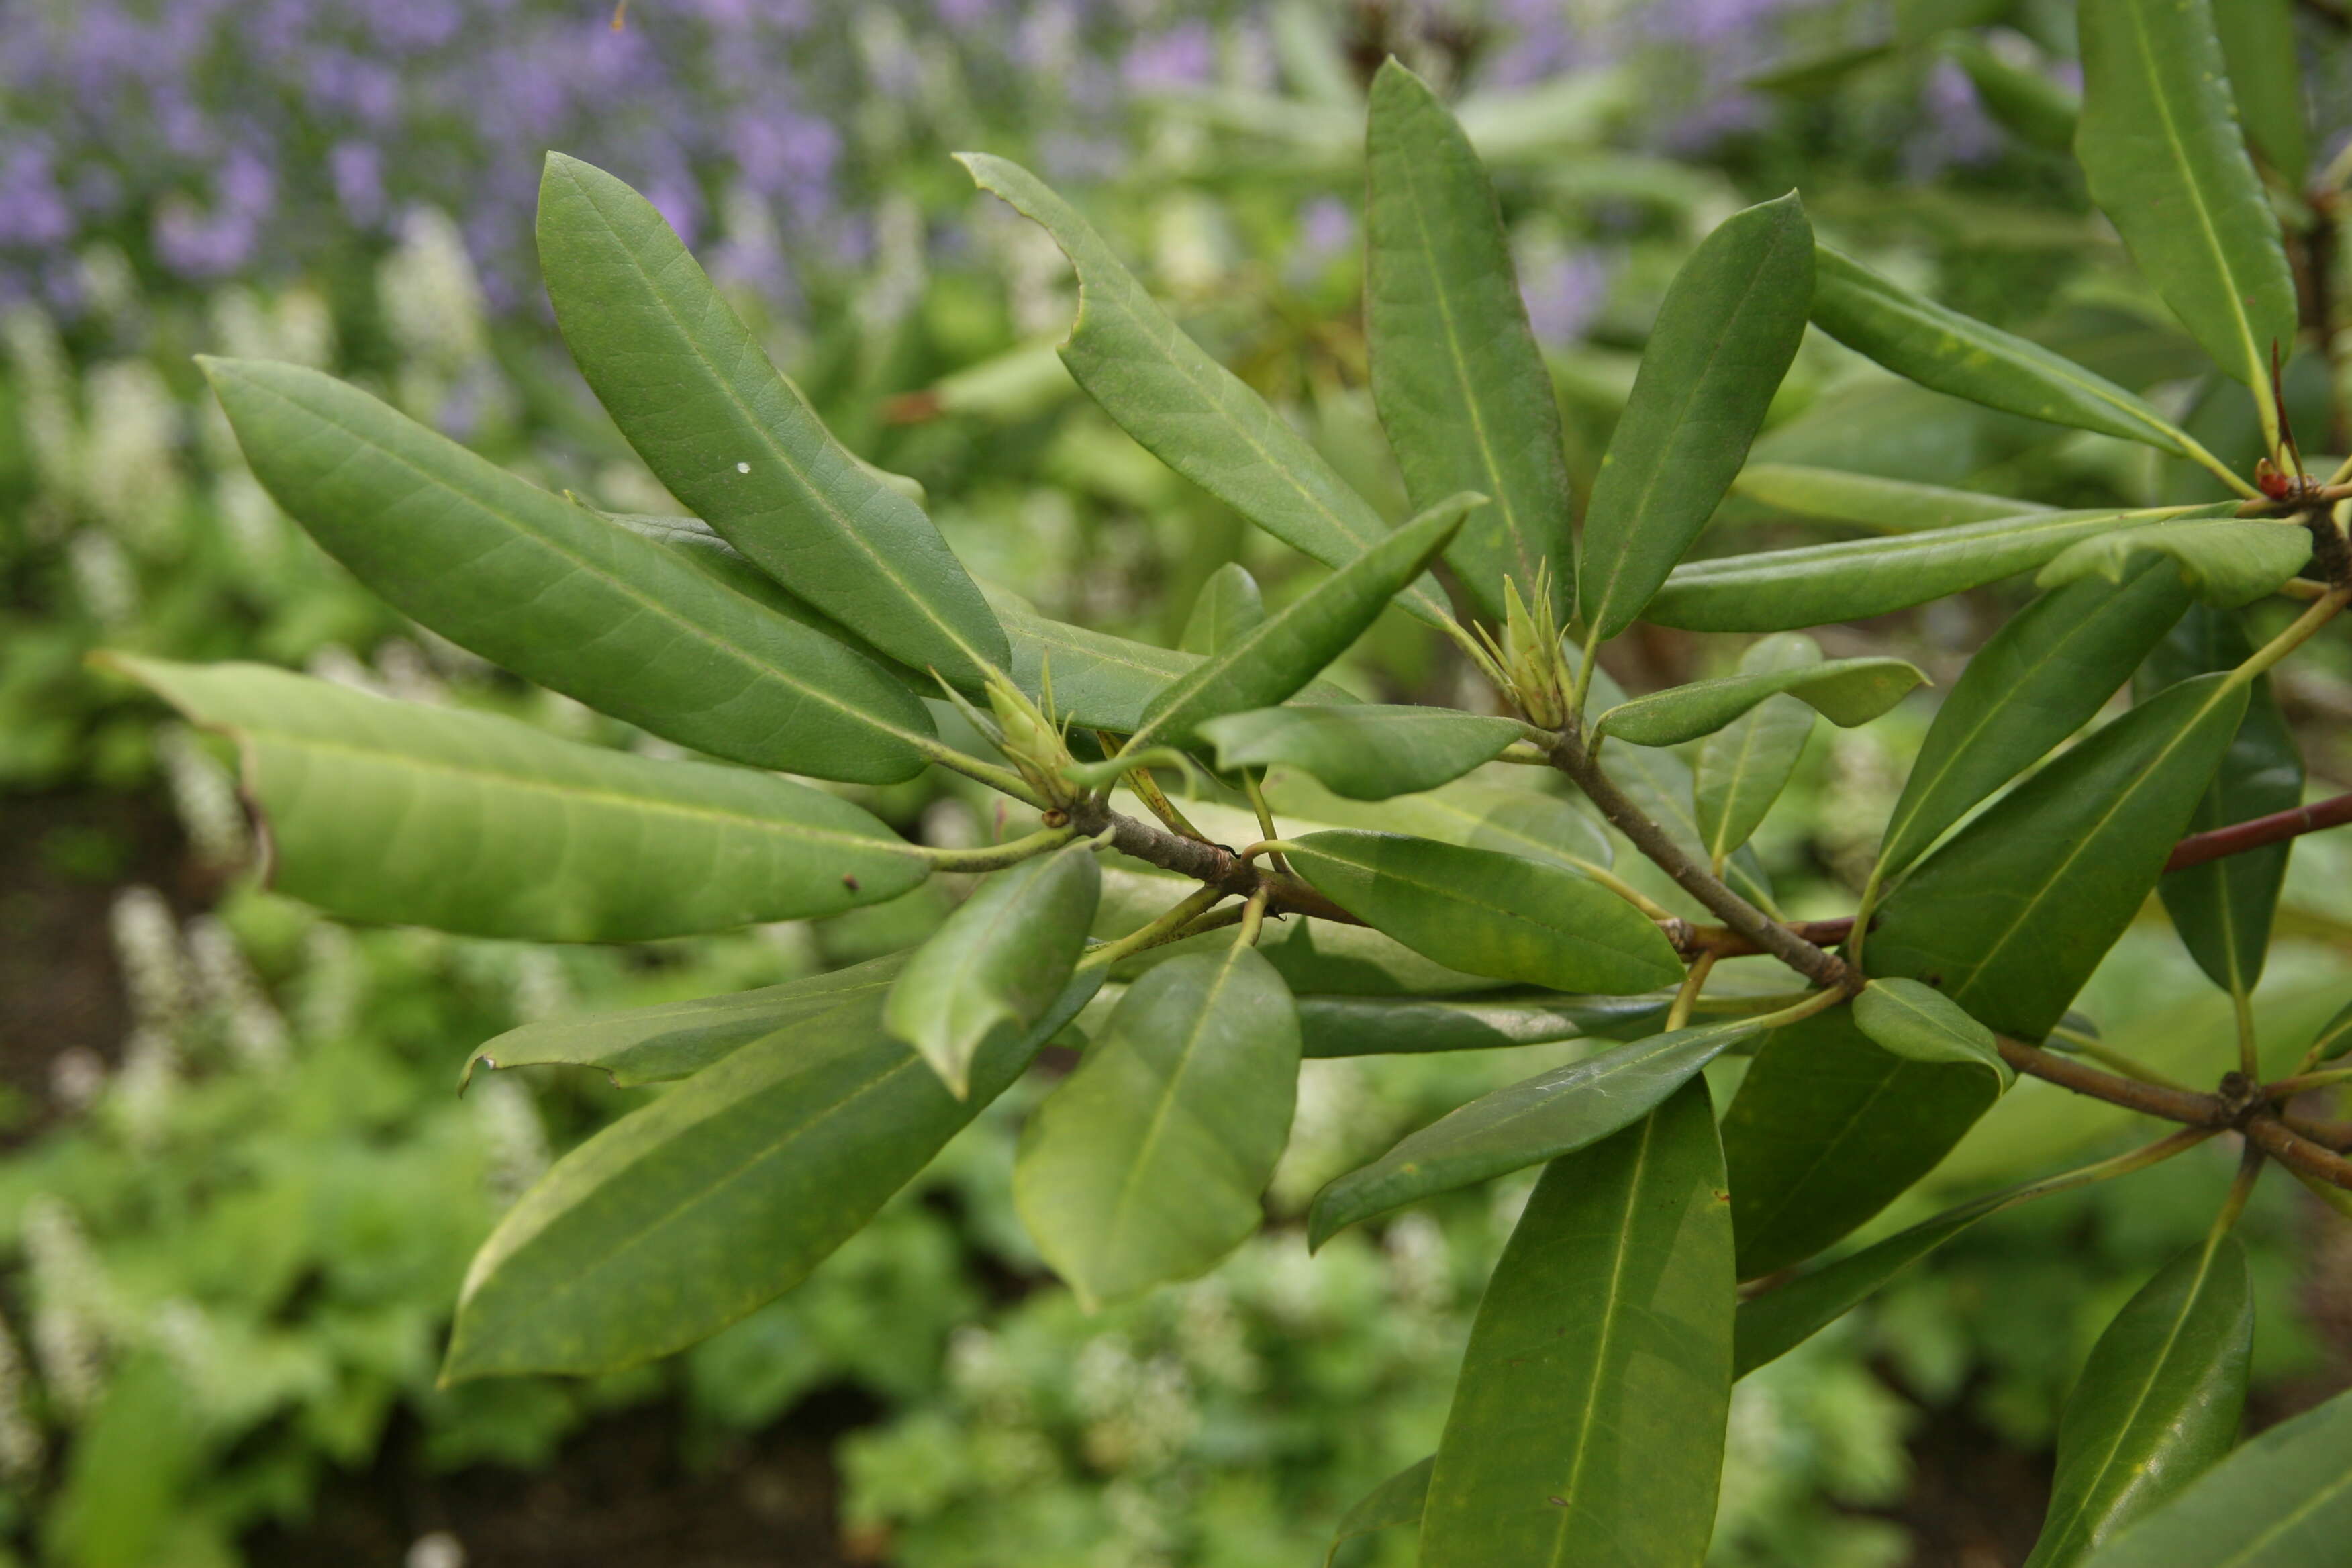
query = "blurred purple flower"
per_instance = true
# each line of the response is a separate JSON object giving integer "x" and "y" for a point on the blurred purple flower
{"x": 1326, "y": 228}
{"x": 357, "y": 169}
{"x": 1183, "y": 56}
{"x": 33, "y": 211}
{"x": 1958, "y": 132}
{"x": 1563, "y": 296}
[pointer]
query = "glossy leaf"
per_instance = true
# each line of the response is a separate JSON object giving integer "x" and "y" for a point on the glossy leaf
{"x": 2042, "y": 676}
{"x": 1743, "y": 767}
{"x": 1481, "y": 815}
{"x": 1282, "y": 653}
{"x": 378, "y": 810}
{"x": 1146, "y": 1164}
{"x": 2022, "y": 100}
{"x": 1847, "y": 691}
{"x": 559, "y": 593}
{"x": 1940, "y": 348}
{"x": 1588, "y": 1422}
{"x": 1412, "y": 1026}
{"x": 2157, "y": 1403}
{"x": 1489, "y": 913}
{"x": 1230, "y": 606}
{"x": 1395, "y": 1502}
{"x": 671, "y": 1040}
{"x": 1852, "y": 579}
{"x": 1184, "y": 407}
{"x": 1776, "y": 1322}
{"x": 694, "y": 392}
{"x": 1867, "y": 500}
{"x": 1366, "y": 751}
{"x": 1001, "y": 957}
{"x": 1461, "y": 388}
{"x": 2335, "y": 1036}
{"x": 2160, "y": 145}
{"x": 2223, "y": 908}
{"x": 1723, "y": 341}
{"x": 2225, "y": 563}
{"x": 639, "y": 1242}
{"x": 2266, "y": 82}
{"x": 1540, "y": 1118}
{"x": 1921, "y": 1024}
{"x": 2281, "y": 1501}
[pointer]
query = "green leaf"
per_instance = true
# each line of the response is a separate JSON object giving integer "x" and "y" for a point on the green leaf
{"x": 2157, "y": 1403}
{"x": 1411, "y": 1026}
{"x": 2010, "y": 916}
{"x": 2041, "y": 678}
{"x": 1828, "y": 1128}
{"x": 721, "y": 1194}
{"x": 2266, "y": 83}
{"x": 1744, "y": 766}
{"x": 1724, "y": 338}
{"x": 1145, "y": 1166}
{"x": 466, "y": 821}
{"x": 672, "y": 1040}
{"x": 1778, "y": 1321}
{"x": 1921, "y": 1024}
{"x": 2335, "y": 1036}
{"x": 1489, "y": 913}
{"x": 556, "y": 593}
{"x": 1588, "y": 1422}
{"x": 1229, "y": 607}
{"x": 694, "y": 392}
{"x": 1540, "y": 1118}
{"x": 1282, "y": 653}
{"x": 2026, "y": 103}
{"x": 1395, "y": 1502}
{"x": 1847, "y": 691}
{"x": 1364, "y": 752}
{"x": 1004, "y": 956}
{"x": 2223, "y": 908}
{"x": 2006, "y": 919}
{"x": 1185, "y": 408}
{"x": 1940, "y": 348}
{"x": 1662, "y": 785}
{"x": 1461, "y": 388}
{"x": 2225, "y": 563}
{"x": 1481, "y": 815}
{"x": 1853, "y": 579}
{"x": 2281, "y": 1501}
{"x": 1867, "y": 500}
{"x": 2160, "y": 143}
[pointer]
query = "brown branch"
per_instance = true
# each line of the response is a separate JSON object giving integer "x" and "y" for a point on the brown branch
{"x": 1211, "y": 864}
{"x": 2148, "y": 1099}
{"x": 1816, "y": 963}
{"x": 2272, "y": 1136}
{"x": 2335, "y": 1135}
{"x": 2260, "y": 832}
{"x": 1725, "y": 943}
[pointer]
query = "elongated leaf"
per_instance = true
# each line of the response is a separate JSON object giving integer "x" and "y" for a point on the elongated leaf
{"x": 1394, "y": 1501}
{"x": 1230, "y": 606}
{"x": 1889, "y": 506}
{"x": 1365, "y": 752}
{"x": 1481, "y": 815}
{"x": 1004, "y": 956}
{"x": 2281, "y": 1501}
{"x": 1921, "y": 1024}
{"x": 1398, "y": 1025}
{"x": 1777, "y": 1321}
{"x": 1282, "y": 653}
{"x": 1847, "y": 691}
{"x": 694, "y": 392}
{"x": 389, "y": 811}
{"x": 1940, "y": 348}
{"x": 2335, "y": 1036}
{"x": 558, "y": 593}
{"x": 2006, "y": 919}
{"x": 2223, "y": 908}
{"x": 2157, "y": 1403}
{"x": 1588, "y": 1422}
{"x": 1490, "y": 913}
{"x": 1785, "y": 590}
{"x": 1462, "y": 391}
{"x": 1724, "y": 338}
{"x": 2023, "y": 101}
{"x": 1541, "y": 1118}
{"x": 1185, "y": 408}
{"x": 1145, "y": 1166}
{"x": 723, "y": 1194}
{"x": 2160, "y": 143}
{"x": 1662, "y": 785}
{"x": 672, "y": 1040}
{"x": 2225, "y": 563}
{"x": 1743, "y": 767}
{"x": 2266, "y": 82}
{"x": 2041, "y": 678}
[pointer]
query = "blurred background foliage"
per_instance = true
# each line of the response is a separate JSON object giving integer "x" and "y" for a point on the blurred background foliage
{"x": 237, "y": 1191}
